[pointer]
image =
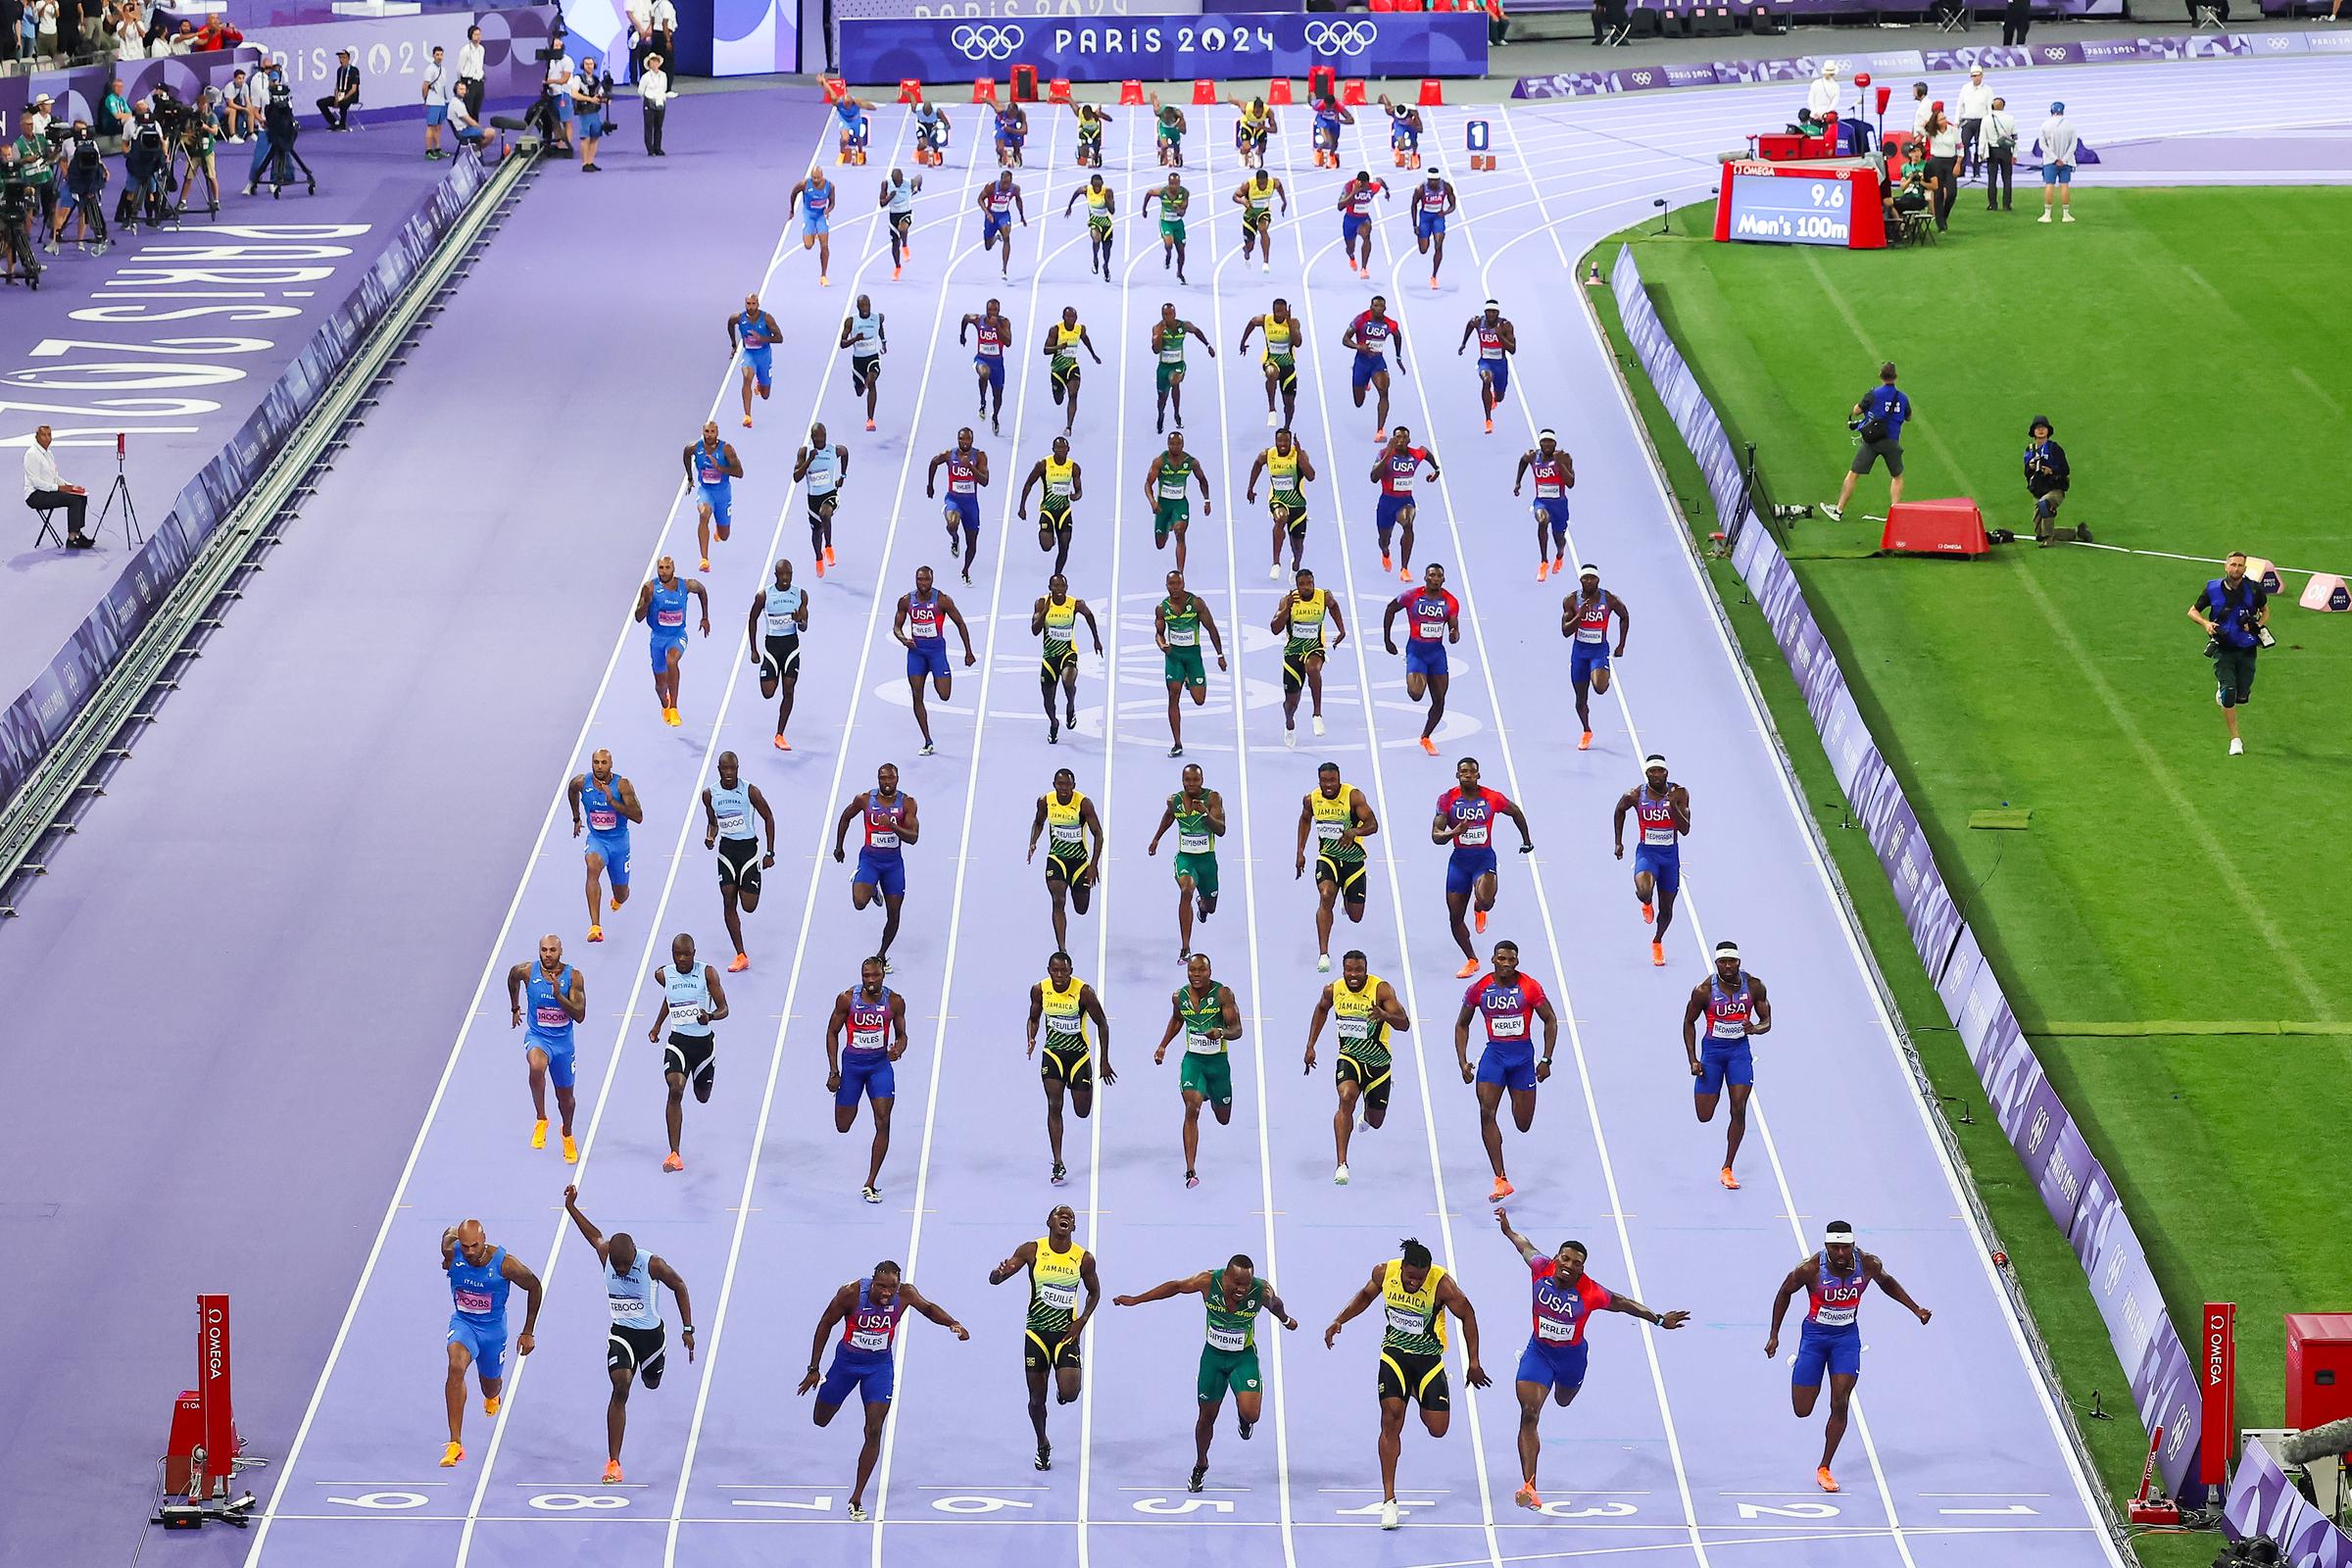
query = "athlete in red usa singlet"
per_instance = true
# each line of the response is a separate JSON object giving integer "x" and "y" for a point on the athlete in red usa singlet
{"x": 1661, "y": 810}
{"x": 1554, "y": 474}
{"x": 1497, "y": 342}
{"x": 1585, "y": 616}
{"x": 1368, "y": 337}
{"x": 992, "y": 330}
{"x": 887, "y": 814}
{"x": 968, "y": 476}
{"x": 1433, "y": 617}
{"x": 1465, "y": 823}
{"x": 1507, "y": 998}
{"x": 1355, "y": 219}
{"x": 867, "y": 1313}
{"x": 1394, "y": 470}
{"x": 1831, "y": 1339}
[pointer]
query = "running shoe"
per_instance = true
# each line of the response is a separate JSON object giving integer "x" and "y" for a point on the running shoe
{"x": 1052, "y": 731}
{"x": 783, "y": 745}
{"x": 1478, "y": 921}
{"x": 1339, "y": 1178}
{"x": 1429, "y": 746}
{"x": 747, "y": 421}
{"x": 1502, "y": 1190}
{"x": 611, "y": 1472}
{"x": 2237, "y": 746}
{"x": 1289, "y": 736}
{"x": 1192, "y": 1179}
{"x": 673, "y": 1163}
{"x": 1585, "y": 742}
{"x": 1731, "y": 1184}
{"x": 571, "y": 1150}
{"x": 829, "y": 556}
{"x": 1469, "y": 967}
{"x": 1657, "y": 955}
{"x": 1199, "y": 1475}
{"x": 706, "y": 562}
{"x": 1387, "y": 565}
{"x": 596, "y": 933}
{"x": 1044, "y": 1456}
{"x": 820, "y": 566}
{"x": 1061, "y": 1175}
{"x": 1176, "y": 750}
{"x": 928, "y": 749}
{"x": 869, "y": 424}
{"x": 1405, "y": 574}
{"x": 672, "y": 717}
{"x": 895, "y": 273}
{"x": 1827, "y": 1481}
{"x": 1274, "y": 572}
{"x": 539, "y": 1133}
{"x": 857, "y": 1513}
{"x": 1542, "y": 570}
{"x": 452, "y": 1454}
{"x": 1526, "y": 1497}
{"x": 489, "y": 1404}
{"x": 1433, "y": 283}
{"x": 873, "y": 1194}
{"x": 823, "y": 282}
{"x": 1322, "y": 963}
{"x": 1271, "y": 420}
{"x": 1318, "y": 718}
{"x": 1837, "y": 513}
{"x": 1381, "y": 436}
{"x": 1391, "y": 1516}
{"x": 1648, "y": 913}
{"x": 1433, "y": 280}
{"x": 740, "y": 963}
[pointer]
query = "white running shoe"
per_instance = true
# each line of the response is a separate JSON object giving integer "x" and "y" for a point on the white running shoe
{"x": 1272, "y": 419}
{"x": 2237, "y": 747}
{"x": 1274, "y": 572}
{"x": 1834, "y": 513}
{"x": 1290, "y": 737}
{"x": 2045, "y": 217}
{"x": 2067, "y": 216}
{"x": 1391, "y": 1516}
{"x": 1339, "y": 1178}
{"x": 1322, "y": 963}
{"x": 1318, "y": 724}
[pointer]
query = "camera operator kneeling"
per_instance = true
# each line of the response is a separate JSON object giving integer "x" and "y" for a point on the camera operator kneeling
{"x": 2046, "y": 479}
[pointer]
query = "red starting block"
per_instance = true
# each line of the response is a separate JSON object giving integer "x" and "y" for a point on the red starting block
{"x": 1205, "y": 91}
{"x": 200, "y": 1459}
{"x": 1952, "y": 527}
{"x": 1322, "y": 82}
{"x": 1432, "y": 92}
{"x": 1352, "y": 95}
{"x": 1059, "y": 90}
{"x": 1131, "y": 92}
{"x": 911, "y": 89}
{"x": 984, "y": 89}
{"x": 836, "y": 89}
{"x": 1278, "y": 92}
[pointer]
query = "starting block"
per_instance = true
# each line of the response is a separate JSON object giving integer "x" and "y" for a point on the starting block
{"x": 1432, "y": 92}
{"x": 1131, "y": 92}
{"x": 2264, "y": 573}
{"x": 984, "y": 89}
{"x": 911, "y": 89}
{"x": 1058, "y": 90}
{"x": 1352, "y": 95}
{"x": 1278, "y": 92}
{"x": 1481, "y": 145}
{"x": 2325, "y": 591}
{"x": 1205, "y": 91}
{"x": 1322, "y": 82}
{"x": 836, "y": 89}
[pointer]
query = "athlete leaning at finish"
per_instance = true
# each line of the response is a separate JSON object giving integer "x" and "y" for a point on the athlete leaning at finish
{"x": 712, "y": 468}
{"x": 1506, "y": 997}
{"x": 661, "y": 606}
{"x": 821, "y": 468}
{"x": 1177, "y": 623}
{"x": 1280, "y": 362}
{"x": 1167, "y": 133}
{"x": 1465, "y": 823}
{"x": 874, "y": 1019}
{"x": 1256, "y": 196}
{"x": 1432, "y": 200}
{"x": 968, "y": 476}
{"x": 1064, "y": 337}
{"x": 1288, "y": 470}
{"x": 1367, "y": 1010}
{"x": 1553, "y": 1362}
{"x": 1330, "y": 116}
{"x": 867, "y": 1313}
{"x": 1497, "y": 342}
{"x": 1198, "y": 815}
{"x": 1394, "y": 471}
{"x": 886, "y": 817}
{"x": 999, "y": 203}
{"x": 1063, "y": 1003}
{"x": 1355, "y": 223}
{"x": 779, "y": 616}
{"x": 1732, "y": 1002}
{"x": 1414, "y": 1295}
{"x": 1166, "y": 343}
{"x": 1369, "y": 338}
{"x": 728, "y": 807}
{"x": 1205, "y": 1012}
{"x": 1060, "y": 1269}
{"x": 636, "y": 1346}
{"x": 1585, "y": 620}
{"x": 1829, "y": 1340}
{"x": 479, "y": 1277}
{"x": 866, "y": 337}
{"x": 1661, "y": 811}
{"x": 1233, "y": 1296}
{"x": 993, "y": 329}
{"x": 545, "y": 999}
{"x": 603, "y": 806}
{"x": 1555, "y": 476}
{"x": 897, "y": 201}
{"x": 1433, "y": 617}
{"x": 1174, "y": 201}
{"x": 1299, "y": 616}
{"x": 692, "y": 1000}
{"x": 1165, "y": 478}
{"x": 1071, "y": 868}
{"x": 920, "y": 624}
{"x": 1055, "y": 618}
{"x": 817, "y": 197}
{"x": 1338, "y": 818}
{"x": 1058, "y": 474}
{"x": 1102, "y": 207}
{"x": 752, "y": 333}
{"x": 1091, "y": 120}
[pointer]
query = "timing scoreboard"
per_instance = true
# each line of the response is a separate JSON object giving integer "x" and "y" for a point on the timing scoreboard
{"x": 1832, "y": 203}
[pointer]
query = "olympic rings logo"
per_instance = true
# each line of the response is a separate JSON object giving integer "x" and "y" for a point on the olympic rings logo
{"x": 987, "y": 42}
{"x": 1341, "y": 37}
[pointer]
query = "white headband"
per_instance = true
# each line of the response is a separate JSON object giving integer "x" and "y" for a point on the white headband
{"x": 1546, "y": 435}
{"x": 1727, "y": 949}
{"x": 1588, "y": 569}
{"x": 1839, "y": 1236}
{"x": 1653, "y": 759}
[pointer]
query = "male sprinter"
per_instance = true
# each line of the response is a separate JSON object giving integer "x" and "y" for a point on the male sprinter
{"x": 1288, "y": 470}
{"x": 1256, "y": 196}
{"x": 866, "y": 337}
{"x": 1198, "y": 815}
{"x": 1063, "y": 1003}
{"x": 727, "y": 810}
{"x": 868, "y": 1313}
{"x": 1091, "y": 121}
{"x": 897, "y": 201}
{"x": 1338, "y": 818}
{"x": 1102, "y": 205}
{"x": 557, "y": 996}
{"x": 1330, "y": 116}
{"x": 1414, "y": 1295}
{"x": 1433, "y": 617}
{"x": 1058, "y": 473}
{"x": 1367, "y": 1010}
{"x": 874, "y": 1017}
{"x": 1356, "y": 223}
{"x": 1177, "y": 623}
{"x": 888, "y": 817}
{"x": 856, "y": 134}
{"x": 1584, "y": 620}
{"x": 779, "y": 615}
{"x": 1058, "y": 1268}
{"x": 1733, "y": 1003}
{"x": 1167, "y": 348}
{"x": 1168, "y": 129}
{"x": 994, "y": 330}
{"x": 1174, "y": 199}
{"x": 480, "y": 1275}
{"x": 604, "y": 803}
{"x": 1505, "y": 996}
{"x": 1432, "y": 199}
{"x": 1404, "y": 133}
{"x": 1064, "y": 337}
{"x": 692, "y": 1000}
{"x": 1233, "y": 1296}
{"x": 815, "y": 197}
{"x": 1553, "y": 1362}
{"x": 968, "y": 476}
{"x": 636, "y": 1348}
{"x": 1394, "y": 470}
{"x": 1165, "y": 478}
{"x": 1661, "y": 811}
{"x": 1299, "y": 616}
{"x": 1555, "y": 476}
{"x": 1465, "y": 821}
{"x": 661, "y": 606}
{"x": 1250, "y": 131}
{"x": 1203, "y": 1008}
{"x": 712, "y": 468}
{"x": 754, "y": 333}
{"x": 931, "y": 132}
{"x": 1368, "y": 337}
{"x": 1497, "y": 342}
{"x": 919, "y": 625}
{"x": 1280, "y": 361}
{"x": 1055, "y": 618}
{"x": 1831, "y": 1338}
{"x": 1000, "y": 202}
{"x": 821, "y": 468}
{"x": 1013, "y": 129}
{"x": 1071, "y": 866}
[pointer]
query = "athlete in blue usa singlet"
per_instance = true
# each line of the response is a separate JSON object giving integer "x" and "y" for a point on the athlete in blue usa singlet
{"x": 1832, "y": 1281}
{"x": 861, "y": 1324}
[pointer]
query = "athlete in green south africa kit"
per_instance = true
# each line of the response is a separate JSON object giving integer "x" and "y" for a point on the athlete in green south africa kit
{"x": 1173, "y": 199}
{"x": 1207, "y": 1016}
{"x": 1233, "y": 1296}
{"x": 1167, "y": 349}
{"x": 1177, "y": 625}
{"x": 1198, "y": 815}
{"x": 1164, "y": 488}
{"x": 1168, "y": 132}
{"x": 1055, "y": 618}
{"x": 1063, "y": 1003}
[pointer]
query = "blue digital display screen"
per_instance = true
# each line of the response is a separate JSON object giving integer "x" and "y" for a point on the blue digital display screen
{"x": 1773, "y": 209}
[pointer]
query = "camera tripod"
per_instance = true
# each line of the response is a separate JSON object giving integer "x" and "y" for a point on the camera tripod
{"x": 120, "y": 490}
{"x": 278, "y": 170}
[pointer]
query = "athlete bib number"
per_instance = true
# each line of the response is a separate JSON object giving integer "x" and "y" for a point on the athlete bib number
{"x": 734, "y": 824}
{"x": 1411, "y": 1324}
{"x": 1473, "y": 837}
{"x": 1554, "y": 1331}
{"x": 551, "y": 1017}
{"x": 865, "y": 1040}
{"x": 1506, "y": 1026}
{"x": 1183, "y": 637}
{"x": 685, "y": 1015}
{"x": 1430, "y": 628}
{"x": 1355, "y": 1030}
{"x": 1226, "y": 1338}
{"x": 477, "y": 1302}
{"x": 1202, "y": 1045}
{"x": 1059, "y": 1298}
{"x": 624, "y": 1306}
{"x": 1192, "y": 843}
{"x": 870, "y": 1339}
{"x": 671, "y": 618}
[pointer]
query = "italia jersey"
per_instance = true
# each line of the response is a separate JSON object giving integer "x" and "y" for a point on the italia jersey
{"x": 1506, "y": 1007}
{"x": 1561, "y": 1311}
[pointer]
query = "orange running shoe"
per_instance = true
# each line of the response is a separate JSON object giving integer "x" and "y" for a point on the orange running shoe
{"x": 1478, "y": 921}
{"x": 829, "y": 558}
{"x": 1647, "y": 915}
{"x": 747, "y": 421}
{"x": 1585, "y": 744}
{"x": 1502, "y": 1190}
{"x": 705, "y": 564}
{"x": 452, "y": 1454}
{"x": 1386, "y": 564}
{"x": 1433, "y": 280}
{"x": 672, "y": 717}
{"x": 740, "y": 963}
{"x": 539, "y": 1133}
{"x": 673, "y": 1163}
{"x": 1429, "y": 746}
{"x": 1542, "y": 570}
{"x": 895, "y": 271}
{"x": 1489, "y": 420}
{"x": 1526, "y": 1497}
{"x": 571, "y": 1150}
{"x": 823, "y": 282}
{"x": 1657, "y": 955}
{"x": 611, "y": 1472}
{"x": 1731, "y": 1184}
{"x": 489, "y": 1404}
{"x": 596, "y": 933}
{"x": 1829, "y": 1482}
{"x": 820, "y": 566}
{"x": 1405, "y": 574}
{"x": 869, "y": 424}
{"x": 1469, "y": 967}
{"x": 783, "y": 745}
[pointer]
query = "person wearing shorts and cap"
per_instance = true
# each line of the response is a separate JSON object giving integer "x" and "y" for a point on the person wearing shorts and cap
{"x": 1829, "y": 1340}
{"x": 1733, "y": 1004}
{"x": 2060, "y": 147}
{"x": 1877, "y": 421}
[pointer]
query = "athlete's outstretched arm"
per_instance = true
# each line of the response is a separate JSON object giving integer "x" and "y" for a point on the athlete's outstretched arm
{"x": 1152, "y": 479}
{"x": 1338, "y": 634}
{"x": 1167, "y": 810}
{"x": 1362, "y": 823}
{"x": 1175, "y": 1022}
{"x": 1356, "y": 1303}
{"x": 766, "y": 817}
{"x": 841, "y": 829}
{"x": 1878, "y": 1271}
{"x": 630, "y": 807}
{"x": 1216, "y": 641}
{"x": 1230, "y": 1012}
{"x": 1511, "y": 807}
{"x": 910, "y": 830}
{"x": 1022, "y": 1257}
{"x": 835, "y": 1310}
{"x": 1037, "y": 825}
{"x": 947, "y": 607}
{"x": 1306, "y": 807}
{"x": 1527, "y": 1248}
{"x": 1468, "y": 328}
{"x": 1632, "y": 1308}
{"x": 1692, "y": 1009}
{"x": 1282, "y": 606}
{"x": 1201, "y": 478}
{"x": 1625, "y": 801}
{"x": 1089, "y": 821}
{"x": 1168, "y": 1290}
{"x": 935, "y": 1312}
{"x": 1037, "y": 474}
{"x": 833, "y": 1027}
{"x": 1037, "y": 617}
{"x": 588, "y": 1232}
{"x": 1282, "y": 1313}
{"x": 1519, "y": 474}
{"x": 898, "y": 1025}
{"x": 750, "y": 625}
{"x": 519, "y": 972}
{"x": 694, "y": 586}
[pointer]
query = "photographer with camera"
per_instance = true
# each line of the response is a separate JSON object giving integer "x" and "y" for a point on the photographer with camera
{"x": 2235, "y": 614}
{"x": 554, "y": 96}
{"x": 590, "y": 92}
{"x": 146, "y": 169}
{"x": 2046, "y": 479}
{"x": 199, "y": 133}
{"x": 18, "y": 206}
{"x": 35, "y": 166}
{"x": 85, "y": 178}
{"x": 276, "y": 156}
{"x": 1878, "y": 425}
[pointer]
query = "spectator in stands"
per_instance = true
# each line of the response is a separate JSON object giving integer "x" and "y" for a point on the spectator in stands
{"x": 2059, "y": 147}
{"x": 470, "y": 71}
{"x": 653, "y": 94}
{"x": 640, "y": 14}
{"x": 113, "y": 110}
{"x": 217, "y": 34}
{"x": 2046, "y": 475}
{"x": 45, "y": 488}
{"x": 1943, "y": 162}
{"x": 2017, "y": 16}
{"x": 1878, "y": 421}
{"x": 336, "y": 107}
{"x": 66, "y": 15}
{"x": 40, "y": 111}
{"x": 2000, "y": 155}
{"x": 2235, "y": 611}
{"x": 1975, "y": 100}
{"x": 1607, "y": 17}
{"x": 666, "y": 29}
{"x": 1820, "y": 98}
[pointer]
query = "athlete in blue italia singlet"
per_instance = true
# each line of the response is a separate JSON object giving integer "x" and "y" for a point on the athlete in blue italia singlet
{"x": 712, "y": 468}
{"x": 546, "y": 997}
{"x": 692, "y": 1000}
{"x": 866, "y": 1312}
{"x": 755, "y": 333}
{"x": 866, "y": 1036}
{"x": 635, "y": 1348}
{"x": 1833, "y": 1280}
{"x": 815, "y": 197}
{"x": 855, "y": 132}
{"x": 603, "y": 806}
{"x": 886, "y": 815}
{"x": 1661, "y": 811}
{"x": 1735, "y": 1007}
{"x": 920, "y": 625}
{"x": 967, "y": 472}
{"x": 479, "y": 1277}
{"x": 661, "y": 606}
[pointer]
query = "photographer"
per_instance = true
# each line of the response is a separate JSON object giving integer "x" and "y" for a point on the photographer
{"x": 1878, "y": 423}
{"x": 146, "y": 169}
{"x": 35, "y": 167}
{"x": 2235, "y": 615}
{"x": 556, "y": 95}
{"x": 199, "y": 132}
{"x": 336, "y": 107}
{"x": 275, "y": 155}
{"x": 2046, "y": 475}
{"x": 18, "y": 205}
{"x": 85, "y": 178}
{"x": 589, "y": 97}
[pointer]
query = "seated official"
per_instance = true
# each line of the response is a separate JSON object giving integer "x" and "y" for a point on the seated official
{"x": 336, "y": 107}
{"x": 2047, "y": 477}
{"x": 45, "y": 489}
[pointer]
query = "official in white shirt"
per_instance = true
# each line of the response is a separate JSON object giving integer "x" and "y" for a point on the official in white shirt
{"x": 652, "y": 92}
{"x": 640, "y": 14}
{"x": 1920, "y": 107}
{"x": 472, "y": 70}
{"x": 1821, "y": 99}
{"x": 1975, "y": 100}
{"x": 2059, "y": 146}
{"x": 2000, "y": 155}
{"x": 666, "y": 29}
{"x": 45, "y": 487}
